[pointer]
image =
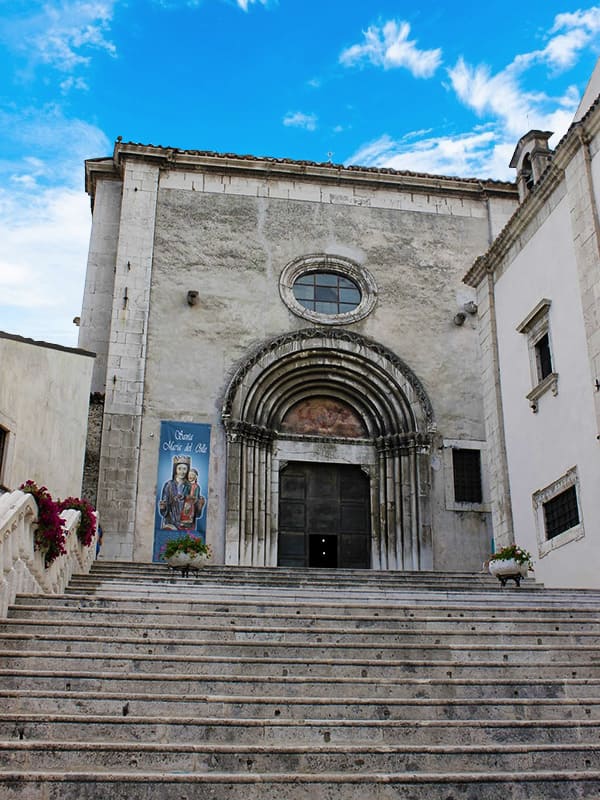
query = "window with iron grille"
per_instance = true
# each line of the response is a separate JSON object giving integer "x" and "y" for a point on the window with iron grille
{"x": 561, "y": 513}
{"x": 543, "y": 357}
{"x": 466, "y": 465}
{"x": 3, "y": 443}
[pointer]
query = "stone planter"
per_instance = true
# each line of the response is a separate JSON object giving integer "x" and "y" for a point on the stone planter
{"x": 179, "y": 560}
{"x": 508, "y": 569}
{"x": 199, "y": 560}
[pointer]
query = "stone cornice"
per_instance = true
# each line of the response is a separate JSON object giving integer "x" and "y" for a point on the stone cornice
{"x": 578, "y": 134}
{"x": 279, "y": 169}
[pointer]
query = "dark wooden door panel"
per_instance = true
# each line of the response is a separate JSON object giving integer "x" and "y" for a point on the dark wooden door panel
{"x": 324, "y": 516}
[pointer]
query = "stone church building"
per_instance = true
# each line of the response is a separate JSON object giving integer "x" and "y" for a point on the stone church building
{"x": 297, "y": 335}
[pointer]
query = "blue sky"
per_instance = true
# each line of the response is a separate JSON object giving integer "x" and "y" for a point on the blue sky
{"x": 448, "y": 89}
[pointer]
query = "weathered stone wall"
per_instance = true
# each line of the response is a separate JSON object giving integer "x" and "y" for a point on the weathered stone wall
{"x": 226, "y": 229}
{"x": 91, "y": 467}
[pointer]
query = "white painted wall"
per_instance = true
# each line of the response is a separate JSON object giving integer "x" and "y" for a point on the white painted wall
{"x": 44, "y": 398}
{"x": 542, "y": 446}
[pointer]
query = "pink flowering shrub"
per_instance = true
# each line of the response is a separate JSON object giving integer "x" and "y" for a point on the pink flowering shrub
{"x": 49, "y": 534}
{"x": 86, "y": 530}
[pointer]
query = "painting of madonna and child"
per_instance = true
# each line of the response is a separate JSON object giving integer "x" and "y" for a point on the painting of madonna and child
{"x": 182, "y": 480}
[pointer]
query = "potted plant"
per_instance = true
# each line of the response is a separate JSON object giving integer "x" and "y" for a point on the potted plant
{"x": 510, "y": 563}
{"x": 186, "y": 552}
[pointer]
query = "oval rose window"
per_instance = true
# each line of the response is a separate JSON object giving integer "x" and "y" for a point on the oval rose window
{"x": 327, "y": 292}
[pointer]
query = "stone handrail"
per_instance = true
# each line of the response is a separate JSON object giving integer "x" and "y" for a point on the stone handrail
{"x": 22, "y": 568}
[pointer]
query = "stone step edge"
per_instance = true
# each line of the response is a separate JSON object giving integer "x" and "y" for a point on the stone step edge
{"x": 584, "y": 617}
{"x": 420, "y": 631}
{"x": 274, "y": 644}
{"x": 289, "y": 749}
{"x": 278, "y": 722}
{"x": 583, "y": 703}
{"x": 7, "y": 776}
{"x": 510, "y": 602}
{"x": 190, "y": 677}
{"x": 230, "y": 659}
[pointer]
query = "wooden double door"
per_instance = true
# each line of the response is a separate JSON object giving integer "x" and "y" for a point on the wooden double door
{"x": 324, "y": 516}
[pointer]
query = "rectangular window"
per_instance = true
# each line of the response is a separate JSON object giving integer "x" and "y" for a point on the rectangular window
{"x": 3, "y": 444}
{"x": 561, "y": 513}
{"x": 466, "y": 466}
{"x": 543, "y": 357}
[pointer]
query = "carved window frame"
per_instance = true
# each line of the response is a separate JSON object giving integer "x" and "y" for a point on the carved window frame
{"x": 339, "y": 265}
{"x": 536, "y": 326}
{"x": 541, "y": 497}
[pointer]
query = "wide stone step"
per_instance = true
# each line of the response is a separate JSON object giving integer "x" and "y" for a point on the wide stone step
{"x": 419, "y": 620}
{"x": 413, "y": 606}
{"x": 290, "y": 686}
{"x": 30, "y": 726}
{"x": 177, "y": 705}
{"x": 501, "y": 667}
{"x": 143, "y": 756}
{"x": 501, "y": 650}
{"x": 567, "y": 785}
{"x": 408, "y": 633}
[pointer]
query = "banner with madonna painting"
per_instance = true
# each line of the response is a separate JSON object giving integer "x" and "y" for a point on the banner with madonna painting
{"x": 182, "y": 485}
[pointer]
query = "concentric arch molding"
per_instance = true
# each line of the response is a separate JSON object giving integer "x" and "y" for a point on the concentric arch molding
{"x": 399, "y": 399}
{"x": 322, "y": 262}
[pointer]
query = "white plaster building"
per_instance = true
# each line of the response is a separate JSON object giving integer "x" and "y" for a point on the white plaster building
{"x": 538, "y": 292}
{"x": 311, "y": 320}
{"x": 44, "y": 398}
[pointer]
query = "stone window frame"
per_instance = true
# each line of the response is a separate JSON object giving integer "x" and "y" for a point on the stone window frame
{"x": 536, "y": 326}
{"x": 9, "y": 427}
{"x": 340, "y": 265}
{"x": 542, "y": 496}
{"x": 448, "y": 446}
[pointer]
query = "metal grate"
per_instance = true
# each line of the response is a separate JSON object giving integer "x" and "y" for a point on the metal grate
{"x": 561, "y": 513}
{"x": 466, "y": 465}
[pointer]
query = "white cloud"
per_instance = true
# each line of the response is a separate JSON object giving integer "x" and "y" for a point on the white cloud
{"x": 45, "y": 223}
{"x": 473, "y": 154}
{"x": 62, "y": 35}
{"x": 389, "y": 47}
{"x": 503, "y": 95}
{"x": 243, "y": 4}
{"x": 296, "y": 119}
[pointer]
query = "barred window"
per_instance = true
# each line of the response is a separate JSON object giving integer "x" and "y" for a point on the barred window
{"x": 466, "y": 465}
{"x": 3, "y": 442}
{"x": 561, "y": 513}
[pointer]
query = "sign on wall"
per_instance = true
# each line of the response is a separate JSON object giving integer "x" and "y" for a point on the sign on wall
{"x": 182, "y": 485}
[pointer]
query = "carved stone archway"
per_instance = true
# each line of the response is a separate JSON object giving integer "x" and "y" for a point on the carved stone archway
{"x": 398, "y": 419}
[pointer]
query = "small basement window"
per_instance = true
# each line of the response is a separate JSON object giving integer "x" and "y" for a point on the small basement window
{"x": 466, "y": 465}
{"x": 561, "y": 513}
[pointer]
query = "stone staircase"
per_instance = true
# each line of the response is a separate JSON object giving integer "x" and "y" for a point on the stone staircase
{"x": 288, "y": 684}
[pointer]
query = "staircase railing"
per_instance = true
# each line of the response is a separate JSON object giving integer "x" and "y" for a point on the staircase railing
{"x": 22, "y": 567}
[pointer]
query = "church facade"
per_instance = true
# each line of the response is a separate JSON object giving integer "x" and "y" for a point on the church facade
{"x": 290, "y": 359}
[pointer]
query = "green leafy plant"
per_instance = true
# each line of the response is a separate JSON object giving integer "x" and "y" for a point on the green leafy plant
{"x": 513, "y": 551}
{"x": 185, "y": 543}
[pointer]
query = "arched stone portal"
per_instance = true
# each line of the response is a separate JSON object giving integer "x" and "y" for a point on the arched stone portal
{"x": 380, "y": 390}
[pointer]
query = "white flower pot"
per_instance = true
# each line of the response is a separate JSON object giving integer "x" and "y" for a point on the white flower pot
{"x": 179, "y": 561}
{"x": 199, "y": 560}
{"x": 508, "y": 569}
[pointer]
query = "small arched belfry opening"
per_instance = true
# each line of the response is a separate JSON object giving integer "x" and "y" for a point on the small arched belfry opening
{"x": 327, "y": 408}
